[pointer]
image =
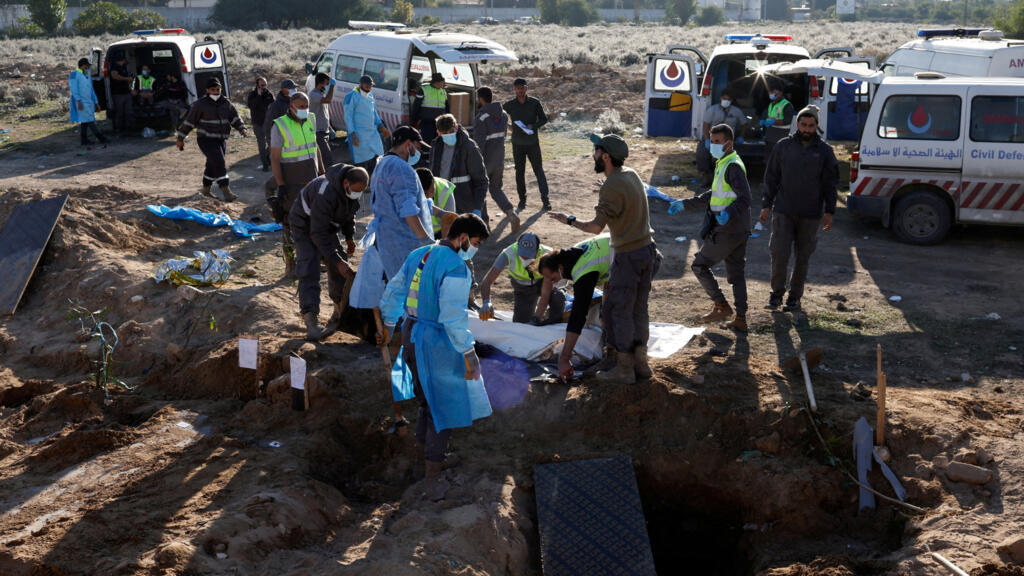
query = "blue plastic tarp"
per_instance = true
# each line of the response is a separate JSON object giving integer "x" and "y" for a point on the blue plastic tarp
{"x": 241, "y": 228}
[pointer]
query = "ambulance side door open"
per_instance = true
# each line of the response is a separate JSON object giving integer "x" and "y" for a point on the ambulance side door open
{"x": 671, "y": 96}
{"x": 846, "y": 102}
{"x": 208, "y": 62}
{"x": 992, "y": 190}
{"x": 96, "y": 75}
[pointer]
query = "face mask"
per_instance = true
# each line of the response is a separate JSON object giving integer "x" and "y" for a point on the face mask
{"x": 302, "y": 113}
{"x": 145, "y": 73}
{"x": 717, "y": 150}
{"x": 773, "y": 96}
{"x": 286, "y": 92}
{"x": 414, "y": 158}
{"x": 214, "y": 96}
{"x": 726, "y": 103}
{"x": 526, "y": 261}
{"x": 468, "y": 253}
{"x": 353, "y": 195}
{"x": 449, "y": 139}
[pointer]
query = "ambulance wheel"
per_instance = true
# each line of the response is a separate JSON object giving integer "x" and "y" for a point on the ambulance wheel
{"x": 922, "y": 218}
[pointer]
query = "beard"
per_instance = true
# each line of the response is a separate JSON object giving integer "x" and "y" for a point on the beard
{"x": 599, "y": 166}
{"x": 806, "y": 136}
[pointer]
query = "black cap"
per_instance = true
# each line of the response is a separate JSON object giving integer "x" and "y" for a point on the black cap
{"x": 288, "y": 83}
{"x": 213, "y": 82}
{"x": 83, "y": 62}
{"x": 436, "y": 77}
{"x": 519, "y": 82}
{"x": 404, "y": 133}
{"x": 366, "y": 79}
{"x": 613, "y": 144}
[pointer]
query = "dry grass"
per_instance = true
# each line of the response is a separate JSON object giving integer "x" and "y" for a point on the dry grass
{"x": 285, "y": 51}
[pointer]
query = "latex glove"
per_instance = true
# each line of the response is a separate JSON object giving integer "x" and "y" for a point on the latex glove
{"x": 722, "y": 218}
{"x": 345, "y": 270}
{"x": 707, "y": 143}
{"x": 677, "y": 206}
{"x": 385, "y": 338}
{"x": 739, "y": 140}
{"x": 564, "y": 368}
{"x": 350, "y": 246}
{"x": 472, "y": 365}
{"x": 333, "y": 82}
{"x": 180, "y": 144}
{"x": 486, "y": 311}
{"x": 761, "y": 123}
{"x": 769, "y": 122}
{"x": 478, "y": 213}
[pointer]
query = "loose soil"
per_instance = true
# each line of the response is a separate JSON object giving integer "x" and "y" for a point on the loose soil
{"x": 203, "y": 468}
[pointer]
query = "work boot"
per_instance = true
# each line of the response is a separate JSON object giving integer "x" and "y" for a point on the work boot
{"x": 773, "y": 302}
{"x": 721, "y": 311}
{"x": 640, "y": 366}
{"x": 792, "y": 306}
{"x": 313, "y": 330}
{"x": 623, "y": 373}
{"x": 206, "y": 192}
{"x": 435, "y": 485}
{"x": 334, "y": 322}
{"x": 607, "y": 361}
{"x": 522, "y": 205}
{"x": 229, "y": 196}
{"x": 739, "y": 324}
{"x": 513, "y": 220}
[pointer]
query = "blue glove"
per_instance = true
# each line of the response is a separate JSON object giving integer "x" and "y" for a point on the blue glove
{"x": 333, "y": 82}
{"x": 769, "y": 122}
{"x": 707, "y": 144}
{"x": 676, "y": 206}
{"x": 722, "y": 218}
{"x": 739, "y": 140}
{"x": 761, "y": 123}
{"x": 478, "y": 213}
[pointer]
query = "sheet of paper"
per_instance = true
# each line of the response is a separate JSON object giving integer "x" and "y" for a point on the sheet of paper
{"x": 523, "y": 127}
{"x": 298, "y": 371}
{"x": 248, "y": 353}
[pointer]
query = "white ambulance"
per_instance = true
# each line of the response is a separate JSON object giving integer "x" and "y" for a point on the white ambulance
{"x": 163, "y": 51}
{"x": 958, "y": 52}
{"x": 682, "y": 83}
{"x": 390, "y": 56}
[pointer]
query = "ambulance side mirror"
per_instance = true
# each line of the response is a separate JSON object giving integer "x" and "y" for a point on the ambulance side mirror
{"x": 309, "y": 68}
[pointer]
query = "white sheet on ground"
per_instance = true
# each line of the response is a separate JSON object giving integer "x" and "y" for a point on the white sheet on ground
{"x": 541, "y": 343}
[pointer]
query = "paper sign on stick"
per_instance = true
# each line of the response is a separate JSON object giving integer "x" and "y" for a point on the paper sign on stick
{"x": 298, "y": 370}
{"x": 248, "y": 353}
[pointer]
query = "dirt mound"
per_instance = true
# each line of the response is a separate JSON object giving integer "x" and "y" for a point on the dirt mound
{"x": 76, "y": 446}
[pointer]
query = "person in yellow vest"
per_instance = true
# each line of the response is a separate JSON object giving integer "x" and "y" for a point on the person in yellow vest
{"x": 588, "y": 265}
{"x": 725, "y": 231}
{"x": 777, "y": 120}
{"x": 144, "y": 87}
{"x": 527, "y": 283}
{"x": 441, "y": 194}
{"x": 295, "y": 160}
{"x": 435, "y": 103}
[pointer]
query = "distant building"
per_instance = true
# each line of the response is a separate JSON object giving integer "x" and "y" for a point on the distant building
{"x": 802, "y": 14}
{"x": 191, "y": 3}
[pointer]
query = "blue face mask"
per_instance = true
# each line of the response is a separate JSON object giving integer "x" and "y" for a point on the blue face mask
{"x": 717, "y": 150}
{"x": 773, "y": 96}
{"x": 302, "y": 113}
{"x": 468, "y": 253}
{"x": 414, "y": 158}
{"x": 449, "y": 139}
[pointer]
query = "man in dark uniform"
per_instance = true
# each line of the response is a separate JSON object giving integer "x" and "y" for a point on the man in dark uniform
{"x": 259, "y": 100}
{"x": 527, "y": 111}
{"x": 213, "y": 117}
{"x": 121, "y": 94}
{"x": 177, "y": 98}
{"x": 489, "y": 129}
{"x": 323, "y": 208}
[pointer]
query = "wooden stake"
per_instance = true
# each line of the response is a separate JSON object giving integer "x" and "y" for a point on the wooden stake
{"x": 880, "y": 423}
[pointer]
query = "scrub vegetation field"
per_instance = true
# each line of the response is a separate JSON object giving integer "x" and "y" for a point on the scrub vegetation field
{"x": 202, "y": 468}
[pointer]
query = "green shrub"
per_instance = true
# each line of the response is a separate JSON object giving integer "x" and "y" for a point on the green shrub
{"x": 99, "y": 18}
{"x": 710, "y": 16}
{"x": 549, "y": 13}
{"x": 1011, "y": 20}
{"x": 577, "y": 12}
{"x": 48, "y": 14}
{"x": 145, "y": 20}
{"x": 319, "y": 14}
{"x": 24, "y": 28}
{"x": 403, "y": 12}
{"x": 682, "y": 10}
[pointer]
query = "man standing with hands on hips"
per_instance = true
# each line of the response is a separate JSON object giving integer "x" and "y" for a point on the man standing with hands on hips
{"x": 800, "y": 195}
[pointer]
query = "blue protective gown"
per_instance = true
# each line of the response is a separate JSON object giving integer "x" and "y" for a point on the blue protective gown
{"x": 362, "y": 119}
{"x": 82, "y": 91}
{"x": 441, "y": 335}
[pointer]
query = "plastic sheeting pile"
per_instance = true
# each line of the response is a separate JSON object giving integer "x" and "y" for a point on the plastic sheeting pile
{"x": 205, "y": 269}
{"x": 240, "y": 228}
{"x": 544, "y": 343}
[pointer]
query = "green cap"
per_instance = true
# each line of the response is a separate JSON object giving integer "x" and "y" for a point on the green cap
{"x": 613, "y": 144}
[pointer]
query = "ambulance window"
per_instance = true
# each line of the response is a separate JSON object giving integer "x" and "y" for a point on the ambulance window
{"x": 960, "y": 64}
{"x": 385, "y": 74}
{"x": 421, "y": 65}
{"x": 997, "y": 119}
{"x": 862, "y": 89}
{"x": 913, "y": 117}
{"x": 671, "y": 75}
{"x": 457, "y": 74}
{"x": 349, "y": 69}
{"x": 325, "y": 64}
{"x": 163, "y": 56}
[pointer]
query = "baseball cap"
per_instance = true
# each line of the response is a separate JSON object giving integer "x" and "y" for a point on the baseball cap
{"x": 613, "y": 144}
{"x": 287, "y": 83}
{"x": 519, "y": 82}
{"x": 213, "y": 82}
{"x": 528, "y": 244}
{"x": 403, "y": 133}
{"x": 436, "y": 77}
{"x": 366, "y": 79}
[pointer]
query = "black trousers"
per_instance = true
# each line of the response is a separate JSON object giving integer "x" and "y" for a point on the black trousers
{"x": 520, "y": 154}
{"x": 86, "y": 126}
{"x": 731, "y": 247}
{"x": 215, "y": 150}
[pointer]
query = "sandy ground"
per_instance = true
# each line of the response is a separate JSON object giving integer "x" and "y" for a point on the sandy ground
{"x": 204, "y": 469}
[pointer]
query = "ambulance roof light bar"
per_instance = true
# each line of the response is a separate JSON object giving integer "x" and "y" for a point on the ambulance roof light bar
{"x": 752, "y": 37}
{"x": 159, "y": 31}
{"x": 929, "y": 33}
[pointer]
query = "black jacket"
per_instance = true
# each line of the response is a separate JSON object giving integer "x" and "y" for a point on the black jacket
{"x": 330, "y": 212}
{"x": 258, "y": 103}
{"x": 468, "y": 172}
{"x": 211, "y": 119}
{"x": 279, "y": 107}
{"x": 801, "y": 182}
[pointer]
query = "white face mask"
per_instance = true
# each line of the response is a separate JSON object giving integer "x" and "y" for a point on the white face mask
{"x": 302, "y": 113}
{"x": 215, "y": 96}
{"x": 526, "y": 261}
{"x": 352, "y": 194}
{"x": 726, "y": 103}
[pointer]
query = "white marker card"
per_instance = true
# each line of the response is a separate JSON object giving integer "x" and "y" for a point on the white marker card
{"x": 298, "y": 367}
{"x": 523, "y": 127}
{"x": 248, "y": 353}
